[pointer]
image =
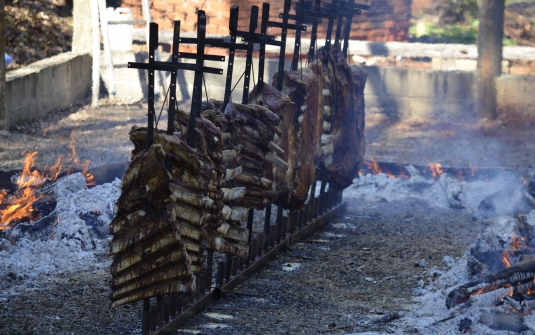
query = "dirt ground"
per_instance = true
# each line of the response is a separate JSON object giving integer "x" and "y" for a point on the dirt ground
{"x": 350, "y": 274}
{"x": 101, "y": 135}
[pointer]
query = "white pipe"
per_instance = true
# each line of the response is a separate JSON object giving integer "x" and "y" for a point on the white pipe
{"x": 159, "y": 80}
{"x": 107, "y": 47}
{"x": 96, "y": 53}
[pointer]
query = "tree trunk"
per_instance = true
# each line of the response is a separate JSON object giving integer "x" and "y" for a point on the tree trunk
{"x": 3, "y": 109}
{"x": 489, "y": 61}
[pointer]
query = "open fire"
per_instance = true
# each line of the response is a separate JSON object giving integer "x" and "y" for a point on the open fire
{"x": 433, "y": 170}
{"x": 19, "y": 205}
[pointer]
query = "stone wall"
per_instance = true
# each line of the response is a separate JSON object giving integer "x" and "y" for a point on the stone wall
{"x": 46, "y": 85}
{"x": 388, "y": 20}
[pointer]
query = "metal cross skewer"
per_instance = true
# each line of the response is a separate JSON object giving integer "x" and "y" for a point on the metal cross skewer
{"x": 345, "y": 9}
{"x": 172, "y": 67}
{"x": 151, "y": 66}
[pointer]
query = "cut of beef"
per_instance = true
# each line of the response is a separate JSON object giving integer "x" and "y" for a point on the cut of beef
{"x": 298, "y": 109}
{"x": 343, "y": 136}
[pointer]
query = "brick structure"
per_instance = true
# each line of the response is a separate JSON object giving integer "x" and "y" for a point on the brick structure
{"x": 388, "y": 20}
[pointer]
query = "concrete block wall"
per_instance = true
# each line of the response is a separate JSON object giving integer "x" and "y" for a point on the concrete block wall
{"x": 46, "y": 85}
{"x": 399, "y": 93}
{"x": 515, "y": 94}
{"x": 416, "y": 93}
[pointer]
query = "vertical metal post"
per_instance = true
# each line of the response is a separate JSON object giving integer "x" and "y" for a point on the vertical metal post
{"x": 233, "y": 27}
{"x": 347, "y": 32}
{"x": 166, "y": 309}
{"x": 253, "y": 250}
{"x": 172, "y": 87}
{"x": 145, "y": 326}
{"x": 321, "y": 197}
{"x": 314, "y": 34}
{"x": 250, "y": 218}
{"x": 330, "y": 29}
{"x": 287, "y": 5}
{"x": 159, "y": 306}
{"x": 297, "y": 46}
{"x": 220, "y": 277}
{"x": 338, "y": 33}
{"x": 253, "y": 23}
{"x": 267, "y": 218}
{"x": 272, "y": 235}
{"x": 228, "y": 268}
{"x": 172, "y": 304}
{"x": 279, "y": 214}
{"x": 198, "y": 79}
{"x": 262, "y": 52}
{"x": 260, "y": 250}
{"x": 153, "y": 45}
{"x": 209, "y": 269}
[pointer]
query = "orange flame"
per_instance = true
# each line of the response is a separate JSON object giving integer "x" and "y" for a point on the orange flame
{"x": 18, "y": 205}
{"x": 435, "y": 169}
{"x": 474, "y": 169}
{"x": 375, "y": 168}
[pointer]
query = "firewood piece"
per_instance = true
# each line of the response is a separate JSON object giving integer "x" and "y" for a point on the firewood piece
{"x": 518, "y": 277}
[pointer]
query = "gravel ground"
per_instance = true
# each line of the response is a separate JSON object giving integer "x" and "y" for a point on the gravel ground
{"x": 350, "y": 273}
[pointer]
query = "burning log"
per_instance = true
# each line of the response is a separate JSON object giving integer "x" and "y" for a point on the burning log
{"x": 518, "y": 278}
{"x": 343, "y": 113}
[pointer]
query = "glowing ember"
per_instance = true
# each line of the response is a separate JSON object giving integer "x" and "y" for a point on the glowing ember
{"x": 506, "y": 256}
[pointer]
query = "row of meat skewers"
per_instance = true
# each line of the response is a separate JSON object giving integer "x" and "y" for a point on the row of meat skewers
{"x": 179, "y": 201}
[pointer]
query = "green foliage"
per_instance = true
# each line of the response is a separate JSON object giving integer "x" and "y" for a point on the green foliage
{"x": 429, "y": 32}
